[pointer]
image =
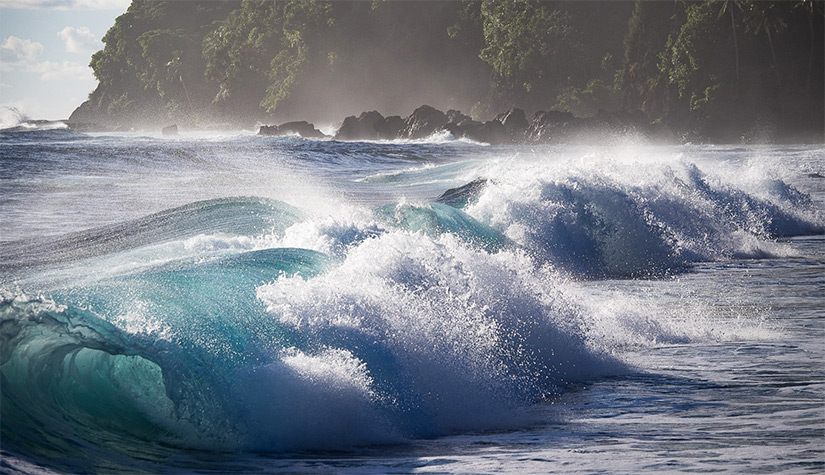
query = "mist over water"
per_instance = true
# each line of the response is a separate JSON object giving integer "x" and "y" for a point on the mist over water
{"x": 168, "y": 298}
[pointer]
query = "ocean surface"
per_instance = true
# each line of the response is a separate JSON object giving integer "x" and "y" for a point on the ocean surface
{"x": 224, "y": 302}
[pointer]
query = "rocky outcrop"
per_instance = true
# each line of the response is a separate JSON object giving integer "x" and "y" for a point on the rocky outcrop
{"x": 86, "y": 113}
{"x": 462, "y": 195}
{"x": 491, "y": 132}
{"x": 169, "y": 130}
{"x": 511, "y": 127}
{"x": 302, "y": 128}
{"x": 463, "y": 126}
{"x": 456, "y": 116}
{"x": 563, "y": 127}
{"x": 362, "y": 127}
{"x": 390, "y": 128}
{"x": 547, "y": 126}
{"x": 424, "y": 122}
{"x": 515, "y": 123}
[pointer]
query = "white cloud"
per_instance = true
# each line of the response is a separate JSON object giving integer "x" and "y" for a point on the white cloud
{"x": 67, "y": 4}
{"x": 52, "y": 71}
{"x": 79, "y": 40}
{"x": 18, "y": 55}
{"x": 16, "y": 52}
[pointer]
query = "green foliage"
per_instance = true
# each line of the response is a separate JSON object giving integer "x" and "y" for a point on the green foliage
{"x": 524, "y": 42}
{"x": 468, "y": 26}
{"x": 152, "y": 59}
{"x": 303, "y": 23}
{"x": 286, "y": 71}
{"x": 726, "y": 66}
{"x": 162, "y": 49}
{"x": 240, "y": 48}
{"x": 684, "y": 59}
{"x": 266, "y": 45}
{"x": 589, "y": 100}
{"x": 640, "y": 80}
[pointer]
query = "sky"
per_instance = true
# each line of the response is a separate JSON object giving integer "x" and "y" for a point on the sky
{"x": 45, "y": 49}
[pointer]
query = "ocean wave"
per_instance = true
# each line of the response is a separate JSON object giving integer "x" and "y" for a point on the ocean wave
{"x": 13, "y": 122}
{"x": 403, "y": 336}
{"x": 439, "y": 137}
{"x": 245, "y": 324}
{"x": 625, "y": 220}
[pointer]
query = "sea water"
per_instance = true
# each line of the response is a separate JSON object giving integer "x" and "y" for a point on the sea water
{"x": 235, "y": 303}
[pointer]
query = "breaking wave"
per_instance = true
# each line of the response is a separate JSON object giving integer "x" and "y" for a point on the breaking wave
{"x": 246, "y": 324}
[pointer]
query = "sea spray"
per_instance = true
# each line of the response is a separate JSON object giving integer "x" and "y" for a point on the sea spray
{"x": 631, "y": 219}
{"x": 458, "y": 338}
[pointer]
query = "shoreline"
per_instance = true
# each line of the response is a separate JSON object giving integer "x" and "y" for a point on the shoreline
{"x": 512, "y": 127}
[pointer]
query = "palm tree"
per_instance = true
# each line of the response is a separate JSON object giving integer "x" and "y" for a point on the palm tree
{"x": 764, "y": 17}
{"x": 174, "y": 70}
{"x": 810, "y": 10}
{"x": 728, "y": 6}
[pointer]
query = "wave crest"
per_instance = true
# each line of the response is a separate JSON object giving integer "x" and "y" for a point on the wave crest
{"x": 621, "y": 221}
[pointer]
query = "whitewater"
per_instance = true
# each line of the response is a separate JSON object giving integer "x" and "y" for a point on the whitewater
{"x": 226, "y": 302}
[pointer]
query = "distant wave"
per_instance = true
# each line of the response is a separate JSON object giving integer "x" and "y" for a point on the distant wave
{"x": 11, "y": 117}
{"x": 13, "y": 120}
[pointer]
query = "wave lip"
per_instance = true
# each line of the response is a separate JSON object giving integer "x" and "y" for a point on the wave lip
{"x": 238, "y": 216}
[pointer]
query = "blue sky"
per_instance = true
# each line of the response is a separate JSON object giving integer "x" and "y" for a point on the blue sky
{"x": 45, "y": 48}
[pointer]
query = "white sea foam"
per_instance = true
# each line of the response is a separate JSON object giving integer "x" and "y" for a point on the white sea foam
{"x": 332, "y": 235}
{"x": 465, "y": 335}
{"x": 602, "y": 216}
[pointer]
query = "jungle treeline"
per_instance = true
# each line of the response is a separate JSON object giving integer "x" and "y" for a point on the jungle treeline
{"x": 714, "y": 70}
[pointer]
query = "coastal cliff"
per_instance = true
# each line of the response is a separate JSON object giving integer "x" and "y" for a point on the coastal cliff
{"x": 722, "y": 71}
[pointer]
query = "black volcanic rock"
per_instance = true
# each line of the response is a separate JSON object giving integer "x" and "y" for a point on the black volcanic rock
{"x": 514, "y": 122}
{"x": 302, "y": 128}
{"x": 547, "y": 126}
{"x": 563, "y": 127}
{"x": 390, "y": 128}
{"x": 86, "y": 113}
{"x": 362, "y": 127}
{"x": 491, "y": 132}
{"x": 456, "y": 116}
{"x": 508, "y": 127}
{"x": 268, "y": 130}
{"x": 423, "y": 122}
{"x": 462, "y": 195}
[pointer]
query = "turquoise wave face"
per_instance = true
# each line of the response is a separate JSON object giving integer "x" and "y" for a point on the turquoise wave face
{"x": 436, "y": 219}
{"x": 142, "y": 357}
{"x": 211, "y": 356}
